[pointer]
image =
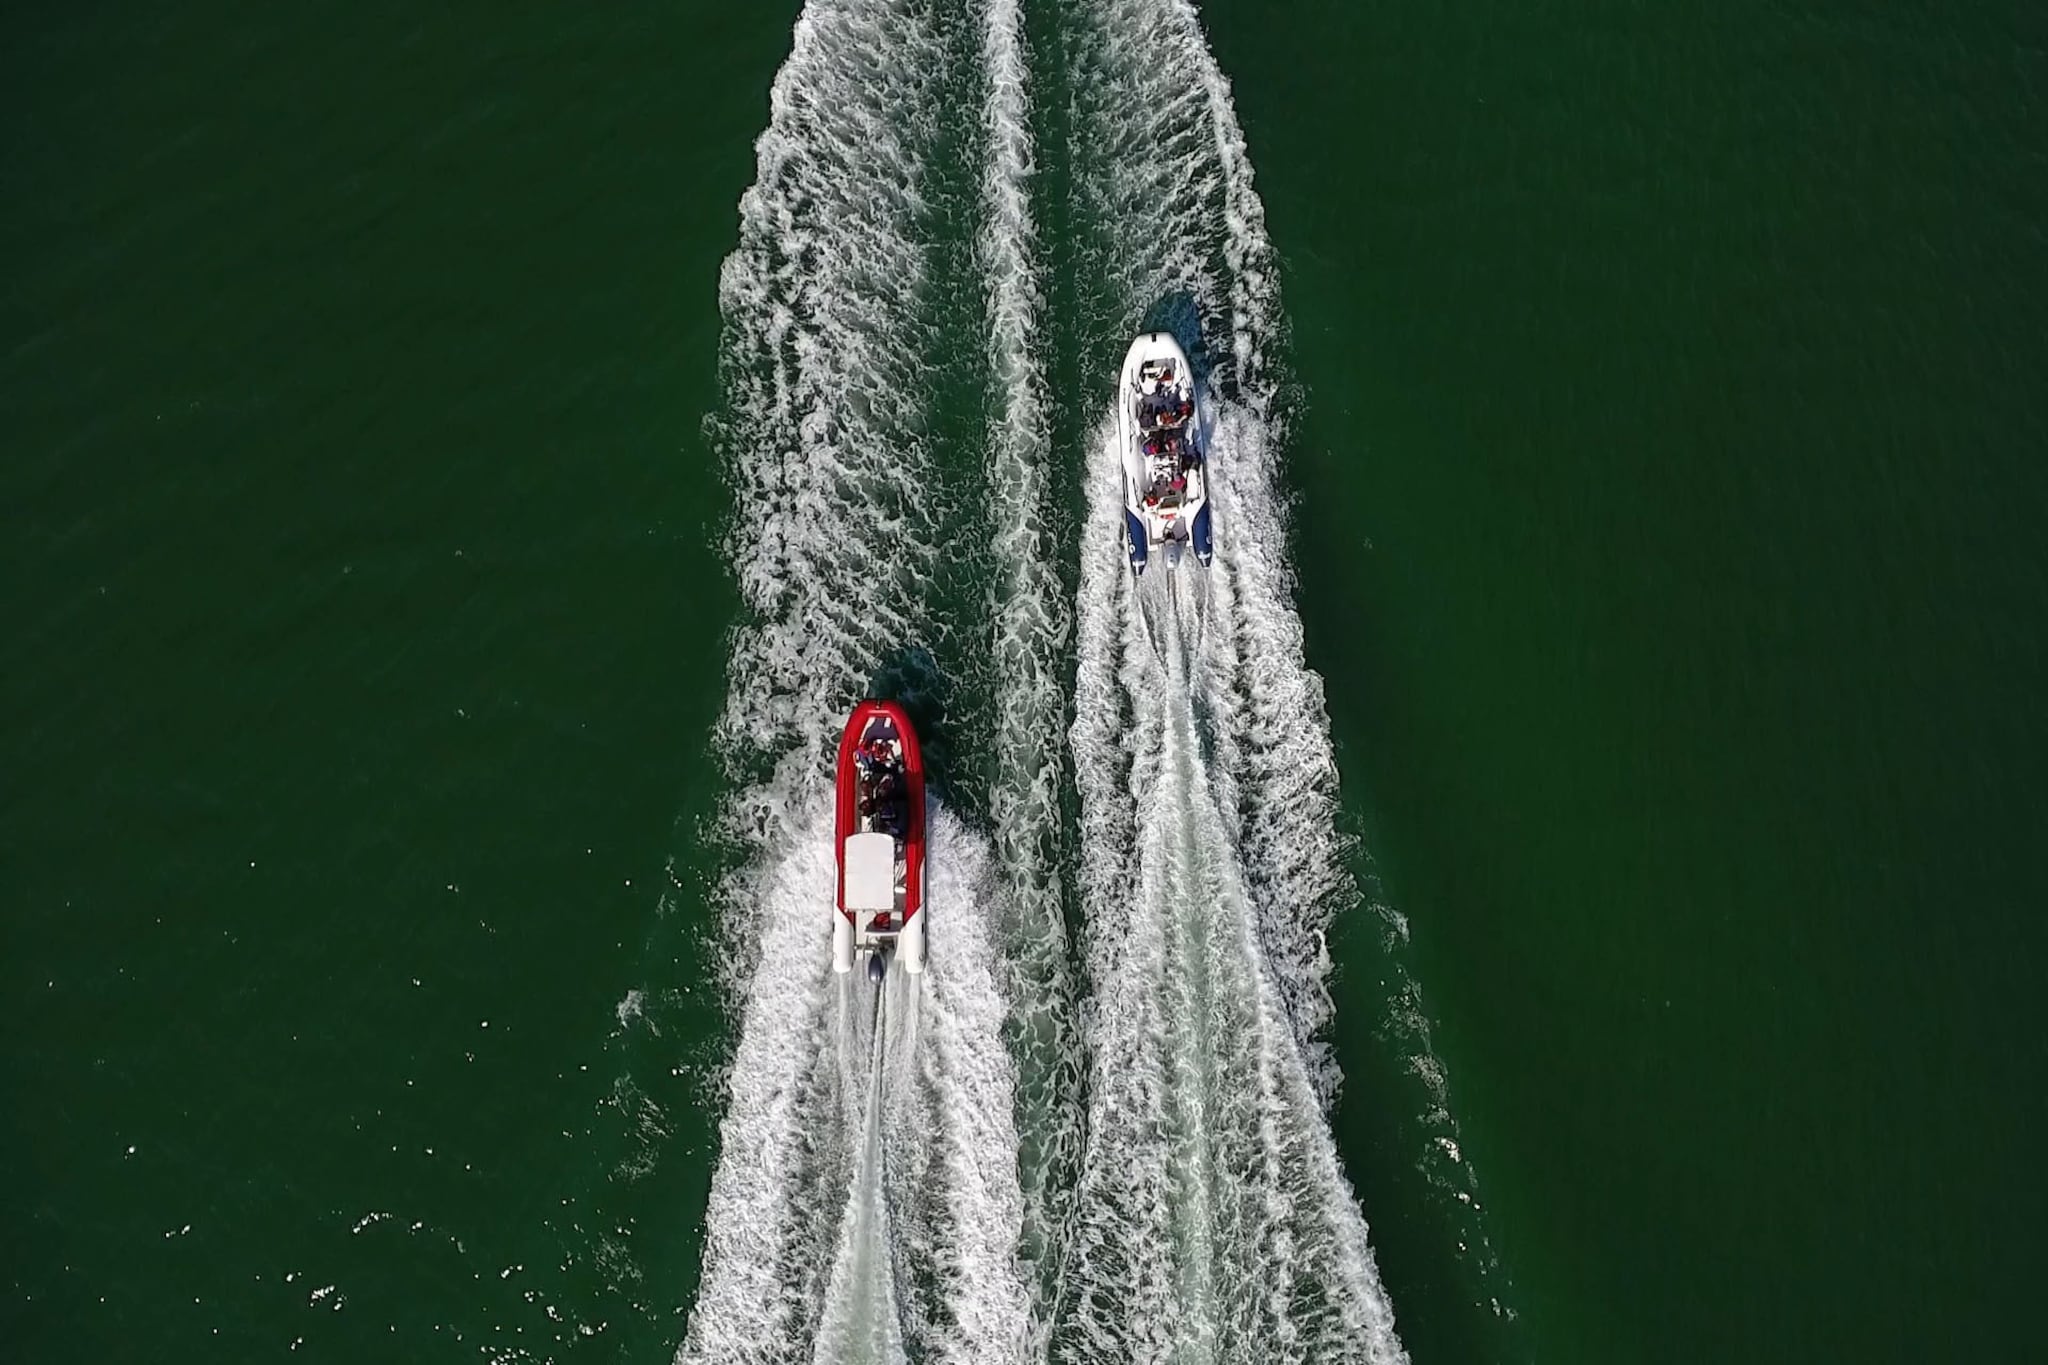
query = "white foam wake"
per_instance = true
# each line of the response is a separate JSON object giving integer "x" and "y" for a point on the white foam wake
{"x": 865, "y": 1205}
{"x": 862, "y": 1320}
{"x": 827, "y": 302}
{"x": 1166, "y": 174}
{"x": 1151, "y": 82}
{"x": 1028, "y": 614}
{"x": 1212, "y": 1220}
{"x": 1165, "y": 181}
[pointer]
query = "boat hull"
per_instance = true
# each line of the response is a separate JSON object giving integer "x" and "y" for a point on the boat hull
{"x": 1161, "y": 441}
{"x": 879, "y": 839}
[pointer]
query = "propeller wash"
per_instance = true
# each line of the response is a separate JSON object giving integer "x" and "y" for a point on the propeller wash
{"x": 1023, "y": 1152}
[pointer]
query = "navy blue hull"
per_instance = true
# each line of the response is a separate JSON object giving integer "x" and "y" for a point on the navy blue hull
{"x": 1199, "y": 534}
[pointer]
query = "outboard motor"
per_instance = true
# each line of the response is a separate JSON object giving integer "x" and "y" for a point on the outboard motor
{"x": 876, "y": 967}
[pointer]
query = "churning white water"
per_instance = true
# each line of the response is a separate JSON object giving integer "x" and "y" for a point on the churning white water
{"x": 1212, "y": 1221}
{"x": 1115, "y": 1154}
{"x": 865, "y": 1204}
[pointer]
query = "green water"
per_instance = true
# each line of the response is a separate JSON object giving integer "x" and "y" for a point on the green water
{"x": 1682, "y": 609}
{"x": 364, "y": 641}
{"x": 1671, "y": 449}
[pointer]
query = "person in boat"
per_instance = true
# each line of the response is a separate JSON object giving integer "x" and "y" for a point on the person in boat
{"x": 1148, "y": 404}
{"x": 885, "y": 808}
{"x": 882, "y": 816}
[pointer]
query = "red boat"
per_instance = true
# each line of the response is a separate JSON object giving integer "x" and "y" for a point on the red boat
{"x": 878, "y": 842}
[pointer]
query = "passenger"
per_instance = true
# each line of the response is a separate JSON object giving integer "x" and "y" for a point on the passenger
{"x": 888, "y": 818}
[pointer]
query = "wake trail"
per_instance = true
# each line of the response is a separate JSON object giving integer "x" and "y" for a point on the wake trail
{"x": 865, "y": 1202}
{"x": 1212, "y": 1220}
{"x": 860, "y": 1322}
{"x": 1167, "y": 182}
{"x": 1030, "y": 621}
{"x": 834, "y": 313}
{"x": 1176, "y": 238}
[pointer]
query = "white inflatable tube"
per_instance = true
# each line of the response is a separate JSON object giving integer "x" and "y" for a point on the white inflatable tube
{"x": 842, "y": 942}
{"x": 910, "y": 943}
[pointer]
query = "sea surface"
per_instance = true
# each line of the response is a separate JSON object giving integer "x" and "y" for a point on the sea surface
{"x": 1562, "y": 886}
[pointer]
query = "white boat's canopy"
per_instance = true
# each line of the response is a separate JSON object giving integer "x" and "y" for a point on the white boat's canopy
{"x": 870, "y": 872}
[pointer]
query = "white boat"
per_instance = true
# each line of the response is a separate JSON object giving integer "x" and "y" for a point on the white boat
{"x": 1159, "y": 434}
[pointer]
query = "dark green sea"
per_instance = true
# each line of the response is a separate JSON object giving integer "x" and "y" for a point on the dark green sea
{"x": 400, "y": 411}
